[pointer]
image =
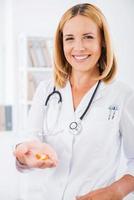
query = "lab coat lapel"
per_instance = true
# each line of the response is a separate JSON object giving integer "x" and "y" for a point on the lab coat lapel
{"x": 68, "y": 113}
{"x": 100, "y": 92}
{"x": 67, "y": 105}
{"x": 84, "y": 102}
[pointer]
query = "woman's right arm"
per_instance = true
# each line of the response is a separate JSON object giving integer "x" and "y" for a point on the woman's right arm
{"x": 29, "y": 145}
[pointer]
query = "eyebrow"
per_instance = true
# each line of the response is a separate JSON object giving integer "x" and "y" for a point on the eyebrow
{"x": 90, "y": 33}
{"x": 70, "y": 35}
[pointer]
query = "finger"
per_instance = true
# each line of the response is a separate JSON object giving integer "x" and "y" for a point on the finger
{"x": 21, "y": 149}
{"x": 43, "y": 166}
{"x": 49, "y": 163}
{"x": 30, "y": 160}
{"x": 46, "y": 164}
{"x": 20, "y": 152}
{"x": 52, "y": 155}
{"x": 33, "y": 160}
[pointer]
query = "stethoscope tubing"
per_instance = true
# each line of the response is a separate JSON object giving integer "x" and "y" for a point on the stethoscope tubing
{"x": 51, "y": 94}
{"x": 75, "y": 126}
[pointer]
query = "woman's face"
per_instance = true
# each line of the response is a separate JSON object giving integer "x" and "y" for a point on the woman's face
{"x": 82, "y": 43}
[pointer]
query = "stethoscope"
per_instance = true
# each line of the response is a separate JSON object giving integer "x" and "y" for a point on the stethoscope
{"x": 75, "y": 126}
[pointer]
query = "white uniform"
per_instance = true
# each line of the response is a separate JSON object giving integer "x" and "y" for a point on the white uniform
{"x": 89, "y": 160}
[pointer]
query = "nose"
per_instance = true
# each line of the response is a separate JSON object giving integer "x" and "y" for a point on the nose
{"x": 79, "y": 45}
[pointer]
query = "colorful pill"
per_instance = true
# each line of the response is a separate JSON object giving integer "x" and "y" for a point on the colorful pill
{"x": 41, "y": 157}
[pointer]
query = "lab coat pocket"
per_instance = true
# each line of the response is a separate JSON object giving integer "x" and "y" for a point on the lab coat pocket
{"x": 99, "y": 129}
{"x": 105, "y": 118}
{"x": 107, "y": 113}
{"x": 106, "y": 133}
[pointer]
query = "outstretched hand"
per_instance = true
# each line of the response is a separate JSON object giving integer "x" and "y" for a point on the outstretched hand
{"x": 35, "y": 154}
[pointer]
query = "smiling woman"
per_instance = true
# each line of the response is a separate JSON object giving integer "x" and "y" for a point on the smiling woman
{"x": 93, "y": 41}
{"x": 93, "y": 106}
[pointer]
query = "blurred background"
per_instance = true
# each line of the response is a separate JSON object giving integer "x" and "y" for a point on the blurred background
{"x": 27, "y": 29}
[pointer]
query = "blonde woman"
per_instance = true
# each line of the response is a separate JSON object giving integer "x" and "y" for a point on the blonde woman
{"x": 83, "y": 115}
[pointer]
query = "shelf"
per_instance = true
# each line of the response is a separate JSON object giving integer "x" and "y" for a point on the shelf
{"x": 35, "y": 65}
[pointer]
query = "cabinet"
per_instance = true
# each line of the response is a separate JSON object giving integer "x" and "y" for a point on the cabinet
{"x": 35, "y": 65}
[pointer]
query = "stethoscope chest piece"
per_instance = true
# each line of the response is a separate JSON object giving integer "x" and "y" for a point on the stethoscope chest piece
{"x": 75, "y": 127}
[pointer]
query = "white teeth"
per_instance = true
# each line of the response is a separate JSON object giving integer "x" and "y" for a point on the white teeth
{"x": 81, "y": 57}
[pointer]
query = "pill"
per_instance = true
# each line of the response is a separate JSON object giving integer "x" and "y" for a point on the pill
{"x": 41, "y": 157}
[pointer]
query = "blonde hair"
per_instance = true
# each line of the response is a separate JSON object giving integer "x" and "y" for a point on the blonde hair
{"x": 107, "y": 62}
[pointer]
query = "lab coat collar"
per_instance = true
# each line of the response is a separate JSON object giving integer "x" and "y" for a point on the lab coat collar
{"x": 100, "y": 93}
{"x": 102, "y": 89}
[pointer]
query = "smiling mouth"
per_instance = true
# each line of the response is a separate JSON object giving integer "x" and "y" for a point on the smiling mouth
{"x": 81, "y": 57}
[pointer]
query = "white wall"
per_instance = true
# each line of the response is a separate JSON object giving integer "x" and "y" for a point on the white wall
{"x": 2, "y": 43}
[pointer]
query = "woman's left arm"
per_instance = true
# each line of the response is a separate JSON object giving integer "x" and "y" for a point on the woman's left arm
{"x": 116, "y": 191}
{"x": 125, "y": 185}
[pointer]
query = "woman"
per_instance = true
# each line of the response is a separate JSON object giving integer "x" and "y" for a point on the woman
{"x": 82, "y": 141}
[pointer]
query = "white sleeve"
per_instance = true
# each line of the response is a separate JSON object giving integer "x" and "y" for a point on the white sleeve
{"x": 127, "y": 132}
{"x": 36, "y": 113}
{"x": 35, "y": 117}
{"x": 34, "y": 121}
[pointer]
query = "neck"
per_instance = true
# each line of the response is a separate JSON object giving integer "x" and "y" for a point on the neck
{"x": 81, "y": 80}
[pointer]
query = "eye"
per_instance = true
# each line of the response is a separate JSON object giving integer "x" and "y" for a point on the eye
{"x": 88, "y": 37}
{"x": 69, "y": 38}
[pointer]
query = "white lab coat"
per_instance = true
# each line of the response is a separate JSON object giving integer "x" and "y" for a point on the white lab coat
{"x": 89, "y": 160}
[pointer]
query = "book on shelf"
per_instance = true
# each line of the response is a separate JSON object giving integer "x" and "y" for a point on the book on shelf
{"x": 33, "y": 60}
{"x": 31, "y": 86}
{"x": 46, "y": 53}
{"x": 39, "y": 53}
{"x": 6, "y": 118}
{"x": 34, "y": 78}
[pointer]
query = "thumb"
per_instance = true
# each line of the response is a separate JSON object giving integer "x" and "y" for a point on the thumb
{"x": 21, "y": 149}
